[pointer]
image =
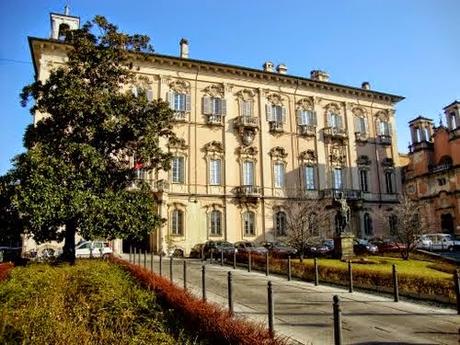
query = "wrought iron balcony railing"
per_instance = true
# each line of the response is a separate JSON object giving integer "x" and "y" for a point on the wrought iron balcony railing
{"x": 247, "y": 121}
{"x": 307, "y": 130}
{"x": 335, "y": 132}
{"x": 276, "y": 126}
{"x": 349, "y": 194}
{"x": 248, "y": 191}
{"x": 214, "y": 119}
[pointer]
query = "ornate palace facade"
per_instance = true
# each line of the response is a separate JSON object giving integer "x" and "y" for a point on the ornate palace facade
{"x": 250, "y": 139}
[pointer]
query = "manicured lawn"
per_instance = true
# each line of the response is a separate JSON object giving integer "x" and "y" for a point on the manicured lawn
{"x": 384, "y": 264}
{"x": 93, "y": 302}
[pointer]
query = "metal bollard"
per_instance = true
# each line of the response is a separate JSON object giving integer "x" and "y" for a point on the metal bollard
{"x": 267, "y": 264}
{"x": 350, "y": 276}
{"x": 139, "y": 257}
{"x": 270, "y": 309}
{"x": 203, "y": 282}
{"x": 185, "y": 275}
{"x": 230, "y": 293}
{"x": 145, "y": 259}
{"x": 249, "y": 262}
{"x": 395, "y": 284}
{"x": 234, "y": 259}
{"x": 221, "y": 257}
{"x": 337, "y": 321}
{"x": 316, "y": 272}
{"x": 457, "y": 289}
{"x": 130, "y": 254}
{"x": 161, "y": 265}
{"x": 134, "y": 256}
{"x": 211, "y": 256}
{"x": 151, "y": 261}
{"x": 289, "y": 277}
{"x": 171, "y": 268}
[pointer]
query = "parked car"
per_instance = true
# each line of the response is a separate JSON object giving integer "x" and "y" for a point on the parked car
{"x": 216, "y": 247}
{"x": 442, "y": 242}
{"x": 279, "y": 249}
{"x": 361, "y": 246}
{"x": 386, "y": 245}
{"x": 95, "y": 249}
{"x": 8, "y": 254}
{"x": 424, "y": 242}
{"x": 321, "y": 248}
{"x": 248, "y": 246}
{"x": 197, "y": 251}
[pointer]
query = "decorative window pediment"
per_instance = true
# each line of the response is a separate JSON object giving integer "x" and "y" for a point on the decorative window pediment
{"x": 275, "y": 99}
{"x": 278, "y": 153}
{"x": 363, "y": 160}
{"x": 308, "y": 157}
{"x": 245, "y": 94}
{"x": 249, "y": 152}
{"x": 338, "y": 155}
{"x": 177, "y": 144}
{"x": 332, "y": 108}
{"x": 388, "y": 163}
{"x": 305, "y": 104}
{"x": 214, "y": 147}
{"x": 215, "y": 90}
{"x": 180, "y": 86}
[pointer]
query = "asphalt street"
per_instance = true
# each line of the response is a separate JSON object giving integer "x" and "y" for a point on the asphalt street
{"x": 303, "y": 312}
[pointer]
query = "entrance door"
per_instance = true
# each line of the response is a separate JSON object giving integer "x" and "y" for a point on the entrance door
{"x": 447, "y": 223}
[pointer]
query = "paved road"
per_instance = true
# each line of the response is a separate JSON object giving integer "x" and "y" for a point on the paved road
{"x": 303, "y": 312}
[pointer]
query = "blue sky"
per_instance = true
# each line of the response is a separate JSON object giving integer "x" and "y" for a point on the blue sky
{"x": 410, "y": 48}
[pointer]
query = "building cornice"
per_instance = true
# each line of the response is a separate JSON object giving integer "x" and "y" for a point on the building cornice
{"x": 208, "y": 66}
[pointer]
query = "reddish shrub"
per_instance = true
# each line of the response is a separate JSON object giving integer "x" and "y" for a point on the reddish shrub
{"x": 210, "y": 321}
{"x": 5, "y": 269}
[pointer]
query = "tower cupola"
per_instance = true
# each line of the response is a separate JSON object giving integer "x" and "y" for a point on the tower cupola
{"x": 60, "y": 23}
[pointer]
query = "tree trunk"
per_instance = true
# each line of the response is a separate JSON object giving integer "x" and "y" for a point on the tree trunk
{"x": 68, "y": 254}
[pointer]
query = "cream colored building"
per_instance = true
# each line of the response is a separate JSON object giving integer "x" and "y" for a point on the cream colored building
{"x": 250, "y": 139}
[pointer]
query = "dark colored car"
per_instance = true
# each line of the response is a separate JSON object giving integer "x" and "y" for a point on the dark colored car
{"x": 217, "y": 247}
{"x": 323, "y": 248}
{"x": 279, "y": 249}
{"x": 197, "y": 251}
{"x": 386, "y": 245}
{"x": 364, "y": 247}
{"x": 10, "y": 254}
{"x": 248, "y": 246}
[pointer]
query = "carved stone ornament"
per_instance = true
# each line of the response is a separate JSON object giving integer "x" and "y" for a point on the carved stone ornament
{"x": 215, "y": 90}
{"x": 247, "y": 135}
{"x": 382, "y": 115}
{"x": 388, "y": 162}
{"x": 275, "y": 99}
{"x": 245, "y": 94}
{"x": 177, "y": 143}
{"x": 308, "y": 157}
{"x": 332, "y": 108}
{"x": 214, "y": 146}
{"x": 359, "y": 112}
{"x": 248, "y": 151}
{"x": 305, "y": 103}
{"x": 180, "y": 86}
{"x": 144, "y": 81}
{"x": 278, "y": 152}
{"x": 338, "y": 155}
{"x": 363, "y": 160}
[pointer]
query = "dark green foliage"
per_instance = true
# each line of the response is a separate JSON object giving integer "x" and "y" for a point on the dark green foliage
{"x": 76, "y": 174}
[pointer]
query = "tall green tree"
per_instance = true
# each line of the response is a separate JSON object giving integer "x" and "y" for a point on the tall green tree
{"x": 76, "y": 176}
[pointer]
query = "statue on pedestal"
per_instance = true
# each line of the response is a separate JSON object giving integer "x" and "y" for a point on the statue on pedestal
{"x": 344, "y": 212}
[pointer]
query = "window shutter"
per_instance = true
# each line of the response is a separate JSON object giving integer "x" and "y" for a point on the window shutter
{"x": 339, "y": 122}
{"x": 390, "y": 131}
{"x": 207, "y": 107}
{"x": 268, "y": 111}
{"x": 283, "y": 112}
{"x": 299, "y": 117}
{"x": 329, "y": 119}
{"x": 181, "y": 170}
{"x": 170, "y": 99}
{"x": 357, "y": 124}
{"x": 149, "y": 95}
{"x": 242, "y": 105}
{"x": 249, "y": 107}
{"x": 223, "y": 107}
{"x": 313, "y": 118}
{"x": 188, "y": 102}
{"x": 218, "y": 171}
{"x": 377, "y": 125}
{"x": 366, "y": 126}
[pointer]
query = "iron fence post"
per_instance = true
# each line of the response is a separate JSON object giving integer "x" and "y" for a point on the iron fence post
{"x": 185, "y": 275}
{"x": 350, "y": 276}
{"x": 457, "y": 289}
{"x": 316, "y": 272}
{"x": 395, "y": 284}
{"x": 270, "y": 308}
{"x": 171, "y": 268}
{"x": 267, "y": 264}
{"x": 289, "y": 268}
{"x": 203, "y": 282}
{"x": 249, "y": 262}
{"x": 230, "y": 293}
{"x": 337, "y": 321}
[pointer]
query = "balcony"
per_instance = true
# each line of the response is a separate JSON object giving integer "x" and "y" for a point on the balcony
{"x": 180, "y": 116}
{"x": 384, "y": 139}
{"x": 422, "y": 145}
{"x": 247, "y": 122}
{"x": 275, "y": 127}
{"x": 335, "y": 133}
{"x": 440, "y": 168}
{"x": 160, "y": 186}
{"x": 349, "y": 194}
{"x": 214, "y": 120}
{"x": 248, "y": 193}
{"x": 307, "y": 130}
{"x": 361, "y": 137}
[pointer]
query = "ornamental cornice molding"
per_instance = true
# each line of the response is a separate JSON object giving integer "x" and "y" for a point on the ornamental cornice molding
{"x": 275, "y": 98}
{"x": 278, "y": 152}
{"x": 215, "y": 90}
{"x": 180, "y": 86}
{"x": 306, "y": 103}
{"x": 177, "y": 143}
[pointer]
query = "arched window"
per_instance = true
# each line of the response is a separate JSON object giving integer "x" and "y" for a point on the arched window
{"x": 280, "y": 223}
{"x": 368, "y": 227}
{"x": 177, "y": 222}
{"x": 216, "y": 223}
{"x": 249, "y": 220}
{"x": 63, "y": 28}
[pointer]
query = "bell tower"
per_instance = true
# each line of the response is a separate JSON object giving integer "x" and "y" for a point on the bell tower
{"x": 421, "y": 147}
{"x": 60, "y": 23}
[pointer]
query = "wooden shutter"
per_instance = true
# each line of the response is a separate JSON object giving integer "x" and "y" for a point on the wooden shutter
{"x": 299, "y": 117}
{"x": 223, "y": 107}
{"x": 339, "y": 121}
{"x": 170, "y": 99}
{"x": 377, "y": 125}
{"x": 207, "y": 107}
{"x": 242, "y": 106}
{"x": 268, "y": 111}
{"x": 390, "y": 130}
{"x": 181, "y": 167}
{"x": 329, "y": 120}
{"x": 188, "y": 102}
{"x": 249, "y": 107}
{"x": 366, "y": 125}
{"x": 313, "y": 117}
{"x": 357, "y": 124}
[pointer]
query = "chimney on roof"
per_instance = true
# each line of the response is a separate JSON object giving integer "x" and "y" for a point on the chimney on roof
{"x": 319, "y": 75}
{"x": 183, "y": 48}
{"x": 281, "y": 68}
{"x": 366, "y": 85}
{"x": 268, "y": 66}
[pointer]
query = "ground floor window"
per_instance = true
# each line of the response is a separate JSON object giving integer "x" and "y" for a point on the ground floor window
{"x": 177, "y": 222}
{"x": 249, "y": 223}
{"x": 216, "y": 223}
{"x": 280, "y": 219}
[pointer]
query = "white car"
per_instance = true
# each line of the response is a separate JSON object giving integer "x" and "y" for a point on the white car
{"x": 424, "y": 242}
{"x": 442, "y": 241}
{"x": 94, "y": 249}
